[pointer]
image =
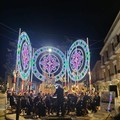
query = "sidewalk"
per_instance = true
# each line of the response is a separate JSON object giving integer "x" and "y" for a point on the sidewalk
{"x": 2, "y": 106}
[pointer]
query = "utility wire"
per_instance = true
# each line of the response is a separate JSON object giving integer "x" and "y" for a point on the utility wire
{"x": 96, "y": 42}
{"x": 7, "y": 37}
{"x": 8, "y": 30}
{"x": 65, "y": 36}
{"x": 8, "y": 27}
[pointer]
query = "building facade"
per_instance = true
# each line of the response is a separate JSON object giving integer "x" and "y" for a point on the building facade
{"x": 97, "y": 76}
{"x": 110, "y": 57}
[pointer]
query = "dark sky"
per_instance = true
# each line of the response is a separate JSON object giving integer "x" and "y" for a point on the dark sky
{"x": 58, "y": 23}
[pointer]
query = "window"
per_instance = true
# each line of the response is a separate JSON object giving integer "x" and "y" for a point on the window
{"x": 118, "y": 38}
{"x": 113, "y": 47}
{"x": 109, "y": 74}
{"x": 107, "y": 54}
{"x": 104, "y": 76}
{"x": 115, "y": 67}
{"x": 102, "y": 58}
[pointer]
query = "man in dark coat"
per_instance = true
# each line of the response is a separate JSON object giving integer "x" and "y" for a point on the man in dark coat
{"x": 60, "y": 100}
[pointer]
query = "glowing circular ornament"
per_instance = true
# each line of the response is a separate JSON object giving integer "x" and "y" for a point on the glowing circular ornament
{"x": 78, "y": 60}
{"x": 24, "y": 55}
{"x": 48, "y": 60}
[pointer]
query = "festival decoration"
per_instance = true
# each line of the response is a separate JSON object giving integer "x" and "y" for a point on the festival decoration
{"x": 75, "y": 88}
{"x": 24, "y": 55}
{"x": 78, "y": 60}
{"x": 49, "y": 60}
{"x": 65, "y": 89}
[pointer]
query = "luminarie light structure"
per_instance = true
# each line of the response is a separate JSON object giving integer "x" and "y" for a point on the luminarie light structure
{"x": 78, "y": 60}
{"x": 49, "y": 60}
{"x": 24, "y": 55}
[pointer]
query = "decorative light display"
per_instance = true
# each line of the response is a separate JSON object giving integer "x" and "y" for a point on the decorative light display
{"x": 24, "y": 55}
{"x": 48, "y": 60}
{"x": 78, "y": 60}
{"x": 49, "y": 63}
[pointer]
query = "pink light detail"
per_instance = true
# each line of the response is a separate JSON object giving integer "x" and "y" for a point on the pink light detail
{"x": 49, "y": 63}
{"x": 25, "y": 56}
{"x": 76, "y": 59}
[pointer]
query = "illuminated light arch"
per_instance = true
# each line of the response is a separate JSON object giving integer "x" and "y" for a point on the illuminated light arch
{"x": 78, "y": 60}
{"x": 49, "y": 60}
{"x": 24, "y": 55}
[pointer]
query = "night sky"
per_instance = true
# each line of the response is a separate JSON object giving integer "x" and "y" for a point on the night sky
{"x": 57, "y": 23}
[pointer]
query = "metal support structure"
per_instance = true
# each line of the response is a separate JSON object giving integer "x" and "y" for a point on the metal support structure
{"x": 89, "y": 73}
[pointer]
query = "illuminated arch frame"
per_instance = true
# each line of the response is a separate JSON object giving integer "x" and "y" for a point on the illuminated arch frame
{"x": 46, "y": 49}
{"x": 84, "y": 46}
{"x": 23, "y": 37}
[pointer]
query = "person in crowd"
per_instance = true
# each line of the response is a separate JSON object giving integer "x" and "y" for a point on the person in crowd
{"x": 48, "y": 102}
{"x": 25, "y": 103}
{"x": 8, "y": 93}
{"x": 94, "y": 103}
{"x": 13, "y": 100}
{"x": 37, "y": 99}
{"x": 98, "y": 101}
{"x": 117, "y": 117}
{"x": 60, "y": 100}
{"x": 39, "y": 106}
{"x": 31, "y": 98}
{"x": 80, "y": 105}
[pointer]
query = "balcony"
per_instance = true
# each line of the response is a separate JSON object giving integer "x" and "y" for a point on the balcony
{"x": 117, "y": 48}
{"x": 108, "y": 79}
{"x": 102, "y": 80}
{"x": 112, "y": 55}
{"x": 118, "y": 76}
{"x": 102, "y": 65}
{"x": 113, "y": 77}
{"x": 107, "y": 60}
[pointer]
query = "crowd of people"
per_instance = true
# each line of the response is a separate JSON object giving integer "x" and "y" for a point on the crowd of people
{"x": 60, "y": 103}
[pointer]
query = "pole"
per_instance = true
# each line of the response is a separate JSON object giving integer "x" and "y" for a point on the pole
{"x": 76, "y": 72}
{"x": 89, "y": 73}
{"x": 18, "y": 100}
{"x": 15, "y": 79}
{"x": 65, "y": 70}
{"x": 30, "y": 85}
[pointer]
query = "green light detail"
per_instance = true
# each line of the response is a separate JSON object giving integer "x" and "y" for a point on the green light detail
{"x": 18, "y": 52}
{"x": 40, "y": 76}
{"x": 66, "y": 64}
